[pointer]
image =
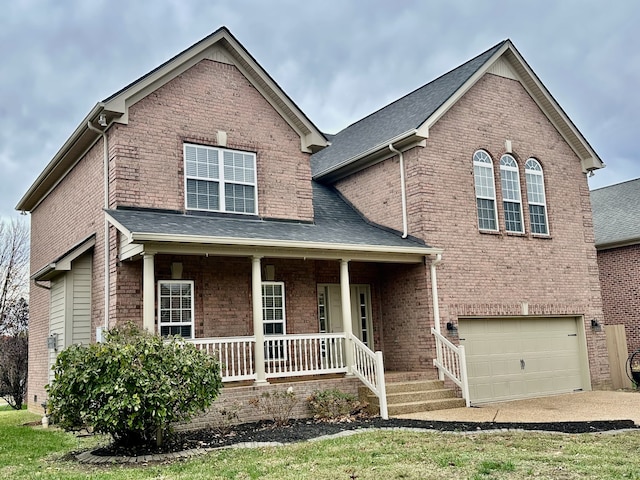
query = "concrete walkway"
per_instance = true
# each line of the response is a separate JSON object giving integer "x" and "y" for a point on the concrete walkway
{"x": 579, "y": 406}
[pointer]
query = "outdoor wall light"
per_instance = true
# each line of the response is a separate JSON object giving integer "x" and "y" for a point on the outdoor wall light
{"x": 102, "y": 120}
{"x": 595, "y": 325}
{"x": 52, "y": 342}
{"x": 451, "y": 327}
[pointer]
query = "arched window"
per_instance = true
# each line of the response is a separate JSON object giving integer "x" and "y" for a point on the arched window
{"x": 536, "y": 197}
{"x": 485, "y": 191}
{"x": 511, "y": 200}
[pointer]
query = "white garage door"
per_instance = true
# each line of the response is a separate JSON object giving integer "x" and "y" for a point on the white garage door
{"x": 516, "y": 358}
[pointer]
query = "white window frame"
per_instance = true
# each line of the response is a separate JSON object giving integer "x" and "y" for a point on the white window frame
{"x": 160, "y": 309}
{"x": 512, "y": 166}
{"x": 220, "y": 179}
{"x": 283, "y": 354}
{"x": 533, "y": 169}
{"x": 482, "y": 160}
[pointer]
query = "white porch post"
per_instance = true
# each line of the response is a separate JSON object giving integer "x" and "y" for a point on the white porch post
{"x": 258, "y": 332}
{"x": 345, "y": 297}
{"x": 436, "y": 309}
{"x": 148, "y": 292}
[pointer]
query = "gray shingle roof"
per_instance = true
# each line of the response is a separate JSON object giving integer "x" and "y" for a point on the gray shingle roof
{"x": 401, "y": 116}
{"x": 616, "y": 213}
{"x": 335, "y": 223}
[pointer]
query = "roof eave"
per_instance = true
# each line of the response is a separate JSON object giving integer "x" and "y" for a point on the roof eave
{"x": 372, "y": 156}
{"x": 589, "y": 159}
{"x": 143, "y": 237}
{"x": 63, "y": 263}
{"x": 618, "y": 243}
{"x": 116, "y": 107}
{"x": 68, "y": 155}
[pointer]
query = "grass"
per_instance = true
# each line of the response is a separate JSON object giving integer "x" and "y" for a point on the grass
{"x": 31, "y": 452}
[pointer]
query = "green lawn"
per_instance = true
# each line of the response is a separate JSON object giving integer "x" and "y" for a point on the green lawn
{"x": 28, "y": 452}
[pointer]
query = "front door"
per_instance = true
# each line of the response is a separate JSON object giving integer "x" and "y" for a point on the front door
{"x": 330, "y": 311}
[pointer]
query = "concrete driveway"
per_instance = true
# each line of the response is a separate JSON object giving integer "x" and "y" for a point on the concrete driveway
{"x": 571, "y": 407}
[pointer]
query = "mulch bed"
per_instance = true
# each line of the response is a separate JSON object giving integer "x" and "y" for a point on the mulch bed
{"x": 307, "y": 429}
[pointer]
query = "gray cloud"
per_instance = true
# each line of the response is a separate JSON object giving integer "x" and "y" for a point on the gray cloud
{"x": 338, "y": 60}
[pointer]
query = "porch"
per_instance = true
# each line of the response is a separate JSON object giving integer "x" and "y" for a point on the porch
{"x": 311, "y": 356}
{"x": 282, "y": 309}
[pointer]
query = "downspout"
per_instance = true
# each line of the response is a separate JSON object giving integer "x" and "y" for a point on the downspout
{"x": 107, "y": 246}
{"x": 403, "y": 191}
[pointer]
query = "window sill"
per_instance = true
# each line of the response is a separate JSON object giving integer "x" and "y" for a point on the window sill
{"x": 490, "y": 232}
{"x": 541, "y": 236}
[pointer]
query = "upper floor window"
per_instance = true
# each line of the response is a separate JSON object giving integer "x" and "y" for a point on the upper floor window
{"x": 220, "y": 180}
{"x": 485, "y": 191}
{"x": 512, "y": 204}
{"x": 536, "y": 197}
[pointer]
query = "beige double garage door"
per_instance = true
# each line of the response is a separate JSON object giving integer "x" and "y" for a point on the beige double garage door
{"x": 514, "y": 358}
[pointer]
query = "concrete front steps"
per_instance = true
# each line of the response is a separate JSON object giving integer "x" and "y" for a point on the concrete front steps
{"x": 412, "y": 392}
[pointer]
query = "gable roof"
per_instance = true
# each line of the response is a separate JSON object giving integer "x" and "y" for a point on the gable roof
{"x": 406, "y": 122}
{"x": 616, "y": 214}
{"x": 337, "y": 228}
{"x": 220, "y": 46}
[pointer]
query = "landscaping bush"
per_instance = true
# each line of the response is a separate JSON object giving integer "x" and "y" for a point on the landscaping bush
{"x": 276, "y": 405}
{"x": 333, "y": 404}
{"x": 132, "y": 386}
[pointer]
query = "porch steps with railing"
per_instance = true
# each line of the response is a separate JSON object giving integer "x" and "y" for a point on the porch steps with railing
{"x": 413, "y": 392}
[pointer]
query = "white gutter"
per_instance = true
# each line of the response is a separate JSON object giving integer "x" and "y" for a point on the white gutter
{"x": 107, "y": 246}
{"x": 403, "y": 189}
{"x": 256, "y": 242}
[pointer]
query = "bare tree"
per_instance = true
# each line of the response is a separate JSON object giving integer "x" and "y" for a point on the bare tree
{"x": 14, "y": 311}
{"x": 14, "y": 271}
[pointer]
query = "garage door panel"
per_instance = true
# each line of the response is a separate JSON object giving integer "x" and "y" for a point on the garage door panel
{"x": 495, "y": 348}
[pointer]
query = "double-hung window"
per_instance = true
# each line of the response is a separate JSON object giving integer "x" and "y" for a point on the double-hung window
{"x": 273, "y": 318}
{"x": 485, "y": 191}
{"x": 512, "y": 204}
{"x": 175, "y": 308}
{"x": 536, "y": 197}
{"x": 219, "y": 179}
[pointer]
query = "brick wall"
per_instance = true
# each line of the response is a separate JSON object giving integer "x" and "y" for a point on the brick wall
{"x": 493, "y": 274}
{"x": 620, "y": 284}
{"x": 70, "y": 213}
{"x": 222, "y": 291}
{"x": 407, "y": 313}
{"x": 147, "y": 170}
{"x": 237, "y": 399}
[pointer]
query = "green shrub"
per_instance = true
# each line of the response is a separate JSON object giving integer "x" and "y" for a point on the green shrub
{"x": 132, "y": 386}
{"x": 333, "y": 404}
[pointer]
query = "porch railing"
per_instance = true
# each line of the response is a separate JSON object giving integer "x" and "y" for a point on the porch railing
{"x": 235, "y": 355}
{"x": 298, "y": 355}
{"x": 369, "y": 368}
{"x": 285, "y": 355}
{"x": 304, "y": 354}
{"x": 451, "y": 361}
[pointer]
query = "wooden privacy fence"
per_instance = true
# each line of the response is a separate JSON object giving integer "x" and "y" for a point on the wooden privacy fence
{"x": 618, "y": 355}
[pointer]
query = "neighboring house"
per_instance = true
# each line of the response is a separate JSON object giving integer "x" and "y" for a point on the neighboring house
{"x": 460, "y": 212}
{"x": 616, "y": 224}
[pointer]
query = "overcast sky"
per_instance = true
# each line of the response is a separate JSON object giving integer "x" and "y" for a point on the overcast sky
{"x": 338, "y": 60}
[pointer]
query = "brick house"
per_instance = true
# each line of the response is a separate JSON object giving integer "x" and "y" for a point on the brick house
{"x": 455, "y": 221}
{"x": 616, "y": 223}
